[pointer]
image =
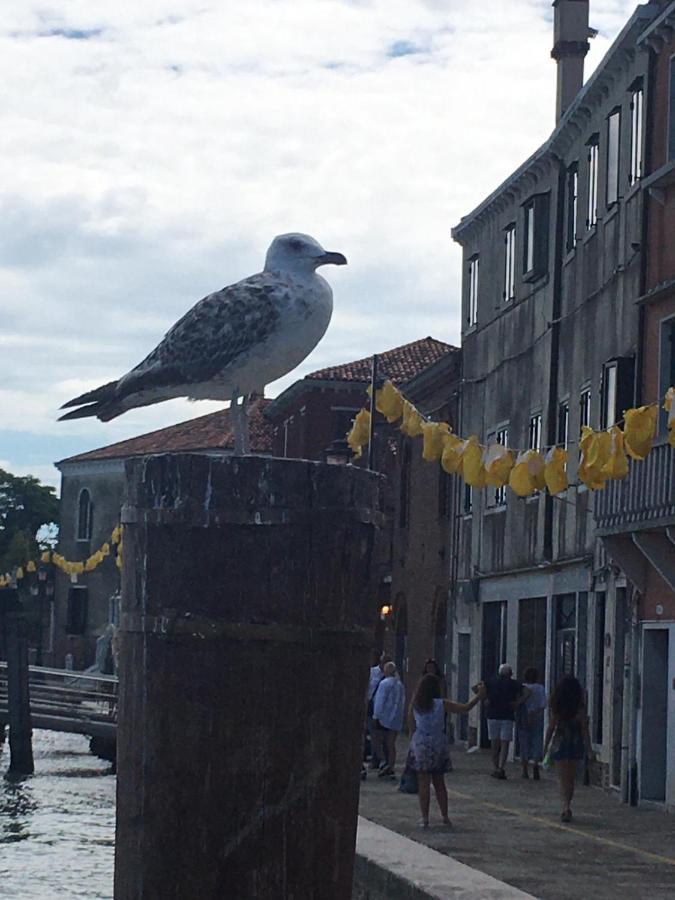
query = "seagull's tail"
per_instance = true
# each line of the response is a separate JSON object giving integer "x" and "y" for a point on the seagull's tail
{"x": 100, "y": 403}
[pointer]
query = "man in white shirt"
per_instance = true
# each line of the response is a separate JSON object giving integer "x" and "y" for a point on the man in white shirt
{"x": 388, "y": 713}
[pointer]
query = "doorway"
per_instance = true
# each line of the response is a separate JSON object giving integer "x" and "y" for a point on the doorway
{"x": 654, "y": 723}
{"x": 532, "y": 636}
{"x": 463, "y": 678}
{"x": 494, "y": 651}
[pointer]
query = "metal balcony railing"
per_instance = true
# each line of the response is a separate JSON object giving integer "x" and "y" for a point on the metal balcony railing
{"x": 66, "y": 700}
{"x": 644, "y": 499}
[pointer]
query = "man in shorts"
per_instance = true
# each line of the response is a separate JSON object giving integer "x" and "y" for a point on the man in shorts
{"x": 504, "y": 696}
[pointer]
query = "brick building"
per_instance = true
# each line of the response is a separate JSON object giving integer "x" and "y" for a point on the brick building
{"x": 311, "y": 419}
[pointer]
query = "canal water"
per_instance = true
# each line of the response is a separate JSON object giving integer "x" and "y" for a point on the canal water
{"x": 57, "y": 827}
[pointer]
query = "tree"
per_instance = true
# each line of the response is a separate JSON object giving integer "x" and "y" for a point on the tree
{"x": 25, "y": 506}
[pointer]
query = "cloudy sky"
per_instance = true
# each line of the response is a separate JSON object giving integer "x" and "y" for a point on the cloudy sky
{"x": 150, "y": 151}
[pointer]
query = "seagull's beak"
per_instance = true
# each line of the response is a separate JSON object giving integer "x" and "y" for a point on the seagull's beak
{"x": 335, "y": 259}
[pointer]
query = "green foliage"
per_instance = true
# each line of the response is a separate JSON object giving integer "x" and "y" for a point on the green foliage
{"x": 25, "y": 506}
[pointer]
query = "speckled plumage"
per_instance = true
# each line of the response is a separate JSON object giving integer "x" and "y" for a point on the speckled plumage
{"x": 232, "y": 342}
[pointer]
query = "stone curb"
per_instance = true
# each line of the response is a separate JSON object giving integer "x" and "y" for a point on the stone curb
{"x": 392, "y": 867}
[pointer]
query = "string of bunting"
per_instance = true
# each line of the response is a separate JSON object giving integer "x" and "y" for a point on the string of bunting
{"x": 69, "y": 567}
{"x": 603, "y": 454}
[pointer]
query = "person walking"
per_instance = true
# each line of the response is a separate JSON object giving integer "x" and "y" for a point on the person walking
{"x": 428, "y": 744}
{"x": 531, "y": 724}
{"x": 374, "y": 679}
{"x": 567, "y": 737}
{"x": 504, "y": 695}
{"x": 388, "y": 714}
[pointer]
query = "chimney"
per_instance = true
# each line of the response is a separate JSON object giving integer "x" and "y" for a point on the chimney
{"x": 570, "y": 37}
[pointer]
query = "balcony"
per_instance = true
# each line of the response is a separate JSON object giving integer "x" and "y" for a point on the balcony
{"x": 645, "y": 499}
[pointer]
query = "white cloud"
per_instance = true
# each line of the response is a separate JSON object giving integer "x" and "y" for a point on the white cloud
{"x": 150, "y": 151}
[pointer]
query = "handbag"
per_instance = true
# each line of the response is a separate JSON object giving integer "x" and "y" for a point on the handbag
{"x": 408, "y": 783}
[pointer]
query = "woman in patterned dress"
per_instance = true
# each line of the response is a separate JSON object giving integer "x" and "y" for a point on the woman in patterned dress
{"x": 428, "y": 744}
{"x": 567, "y": 737}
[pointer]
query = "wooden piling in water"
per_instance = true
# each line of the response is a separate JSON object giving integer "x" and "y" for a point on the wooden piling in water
{"x": 18, "y": 694}
{"x": 248, "y": 609}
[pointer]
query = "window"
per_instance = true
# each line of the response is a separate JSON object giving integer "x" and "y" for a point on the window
{"x": 667, "y": 374}
{"x": 535, "y": 247}
{"x": 528, "y": 264}
{"x": 617, "y": 386}
{"x": 76, "y": 617}
{"x": 592, "y": 208}
{"x": 85, "y": 513}
{"x": 636, "y": 113}
{"x": 613, "y": 153}
{"x": 445, "y": 486}
{"x": 467, "y": 501}
{"x": 510, "y": 263}
{"x": 534, "y": 436}
{"x": 497, "y": 496}
{"x": 472, "y": 317}
{"x": 671, "y": 116}
{"x": 585, "y": 407}
{"x": 572, "y": 205}
{"x": 563, "y": 422}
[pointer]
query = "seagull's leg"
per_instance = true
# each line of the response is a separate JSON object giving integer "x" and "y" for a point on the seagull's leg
{"x": 235, "y": 415}
{"x": 245, "y": 437}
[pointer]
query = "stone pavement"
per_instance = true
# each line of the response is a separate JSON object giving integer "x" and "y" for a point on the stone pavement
{"x": 512, "y": 831}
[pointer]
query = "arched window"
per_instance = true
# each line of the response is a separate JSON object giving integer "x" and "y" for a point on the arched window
{"x": 85, "y": 516}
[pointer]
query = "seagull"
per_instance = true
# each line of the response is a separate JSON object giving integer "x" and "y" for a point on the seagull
{"x": 232, "y": 342}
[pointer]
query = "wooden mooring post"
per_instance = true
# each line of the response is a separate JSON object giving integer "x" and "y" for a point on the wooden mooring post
{"x": 18, "y": 695}
{"x": 248, "y": 609}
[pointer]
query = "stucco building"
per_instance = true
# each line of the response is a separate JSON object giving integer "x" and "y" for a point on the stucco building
{"x": 636, "y": 517}
{"x": 555, "y": 261}
{"x": 92, "y": 493}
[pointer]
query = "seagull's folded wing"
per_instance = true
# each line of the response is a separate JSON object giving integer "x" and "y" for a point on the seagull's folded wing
{"x": 210, "y": 337}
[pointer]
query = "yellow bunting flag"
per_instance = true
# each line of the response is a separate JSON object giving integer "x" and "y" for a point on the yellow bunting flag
{"x": 434, "y": 435}
{"x": 359, "y": 436}
{"x": 639, "y": 430}
{"x": 528, "y": 474}
{"x": 450, "y": 458}
{"x": 116, "y": 535}
{"x": 46, "y": 556}
{"x": 498, "y": 461}
{"x": 30, "y": 566}
{"x": 595, "y": 447}
{"x": 412, "y": 420}
{"x": 471, "y": 466}
{"x": 555, "y": 470}
{"x": 669, "y": 406}
{"x": 18, "y": 574}
{"x": 617, "y": 464}
{"x": 389, "y": 402}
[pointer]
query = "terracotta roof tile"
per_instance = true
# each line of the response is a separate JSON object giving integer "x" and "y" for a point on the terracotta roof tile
{"x": 400, "y": 364}
{"x": 211, "y": 432}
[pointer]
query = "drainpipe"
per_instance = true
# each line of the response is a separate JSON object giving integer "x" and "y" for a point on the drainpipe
{"x": 556, "y": 306}
{"x": 630, "y": 793}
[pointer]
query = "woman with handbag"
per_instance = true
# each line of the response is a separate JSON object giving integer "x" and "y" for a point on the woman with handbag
{"x": 567, "y": 739}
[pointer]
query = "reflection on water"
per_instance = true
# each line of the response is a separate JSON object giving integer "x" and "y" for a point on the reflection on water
{"x": 57, "y": 827}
